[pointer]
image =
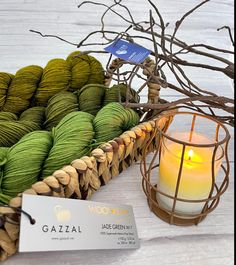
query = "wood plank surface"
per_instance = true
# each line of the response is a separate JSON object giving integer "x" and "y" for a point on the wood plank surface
{"x": 209, "y": 243}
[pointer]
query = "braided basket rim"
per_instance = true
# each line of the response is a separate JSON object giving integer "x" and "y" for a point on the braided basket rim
{"x": 87, "y": 174}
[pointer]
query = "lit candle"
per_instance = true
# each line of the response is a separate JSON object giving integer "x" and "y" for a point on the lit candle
{"x": 196, "y": 177}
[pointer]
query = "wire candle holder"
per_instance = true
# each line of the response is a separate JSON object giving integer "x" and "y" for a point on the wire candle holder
{"x": 192, "y": 171}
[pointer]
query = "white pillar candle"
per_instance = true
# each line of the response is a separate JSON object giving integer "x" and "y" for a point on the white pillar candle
{"x": 196, "y": 177}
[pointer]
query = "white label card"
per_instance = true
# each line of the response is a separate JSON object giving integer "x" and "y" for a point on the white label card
{"x": 67, "y": 224}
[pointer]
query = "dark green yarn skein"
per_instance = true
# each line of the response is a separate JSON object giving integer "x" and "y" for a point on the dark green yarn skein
{"x": 8, "y": 116}
{"x": 91, "y": 98}
{"x": 81, "y": 73}
{"x": 5, "y": 80}
{"x": 118, "y": 93}
{"x": 38, "y": 154}
{"x": 21, "y": 89}
{"x": 12, "y": 129}
{"x": 58, "y": 107}
{"x": 56, "y": 77}
{"x": 33, "y": 85}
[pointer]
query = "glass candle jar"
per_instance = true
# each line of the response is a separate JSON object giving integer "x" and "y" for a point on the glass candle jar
{"x": 192, "y": 170}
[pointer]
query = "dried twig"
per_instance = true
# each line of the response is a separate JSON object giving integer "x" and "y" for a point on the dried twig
{"x": 229, "y": 31}
{"x": 52, "y": 36}
{"x": 167, "y": 52}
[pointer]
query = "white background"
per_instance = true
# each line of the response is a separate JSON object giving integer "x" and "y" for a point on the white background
{"x": 209, "y": 243}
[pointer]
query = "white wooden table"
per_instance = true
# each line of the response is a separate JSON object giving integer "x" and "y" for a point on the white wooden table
{"x": 209, "y": 243}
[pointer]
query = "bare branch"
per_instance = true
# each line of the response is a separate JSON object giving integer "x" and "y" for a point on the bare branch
{"x": 52, "y": 36}
{"x": 179, "y": 22}
{"x": 229, "y": 31}
{"x": 166, "y": 59}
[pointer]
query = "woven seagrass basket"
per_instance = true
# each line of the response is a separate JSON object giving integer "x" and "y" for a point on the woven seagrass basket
{"x": 83, "y": 176}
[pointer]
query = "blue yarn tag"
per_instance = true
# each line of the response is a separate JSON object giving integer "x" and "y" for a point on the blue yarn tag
{"x": 128, "y": 51}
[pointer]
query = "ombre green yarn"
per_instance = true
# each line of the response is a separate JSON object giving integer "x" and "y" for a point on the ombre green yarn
{"x": 38, "y": 154}
{"x": 34, "y": 85}
{"x": 91, "y": 98}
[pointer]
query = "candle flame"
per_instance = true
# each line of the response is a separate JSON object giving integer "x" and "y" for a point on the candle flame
{"x": 190, "y": 154}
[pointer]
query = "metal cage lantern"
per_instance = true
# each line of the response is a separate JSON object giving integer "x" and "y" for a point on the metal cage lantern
{"x": 189, "y": 170}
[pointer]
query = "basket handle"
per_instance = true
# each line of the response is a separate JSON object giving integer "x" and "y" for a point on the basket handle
{"x": 149, "y": 70}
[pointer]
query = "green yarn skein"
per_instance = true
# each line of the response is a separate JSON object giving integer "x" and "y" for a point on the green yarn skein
{"x": 12, "y": 128}
{"x": 71, "y": 139}
{"x": 112, "y": 120}
{"x": 23, "y": 163}
{"x": 91, "y": 98}
{"x": 33, "y": 85}
{"x": 38, "y": 154}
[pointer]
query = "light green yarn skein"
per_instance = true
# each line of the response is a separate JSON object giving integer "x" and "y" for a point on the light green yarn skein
{"x": 38, "y": 154}
{"x": 112, "y": 120}
{"x": 24, "y": 162}
{"x": 72, "y": 138}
